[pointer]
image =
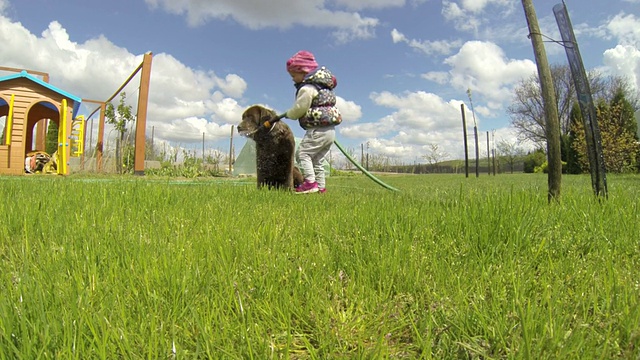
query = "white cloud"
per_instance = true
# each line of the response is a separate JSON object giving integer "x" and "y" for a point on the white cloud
{"x": 232, "y": 85}
{"x": 439, "y": 47}
{"x": 351, "y": 27}
{"x": 439, "y": 77}
{"x": 417, "y": 111}
{"x": 97, "y": 68}
{"x": 350, "y": 110}
{"x": 472, "y": 15}
{"x": 480, "y": 5}
{"x": 624, "y": 61}
{"x": 390, "y": 148}
{"x": 362, "y": 130}
{"x": 625, "y": 28}
{"x": 484, "y": 68}
{"x": 462, "y": 21}
{"x": 282, "y": 14}
{"x": 191, "y": 130}
{"x": 90, "y": 70}
{"x": 369, "y": 4}
{"x": 418, "y": 118}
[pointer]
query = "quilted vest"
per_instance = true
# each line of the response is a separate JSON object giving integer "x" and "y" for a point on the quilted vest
{"x": 323, "y": 111}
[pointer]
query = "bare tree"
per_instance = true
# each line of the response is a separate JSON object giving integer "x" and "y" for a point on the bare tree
{"x": 511, "y": 152}
{"x": 617, "y": 86}
{"x": 215, "y": 158}
{"x": 527, "y": 111}
{"x": 352, "y": 152}
{"x": 434, "y": 155}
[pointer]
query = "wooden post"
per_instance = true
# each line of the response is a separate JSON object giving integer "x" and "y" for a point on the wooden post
{"x": 91, "y": 134}
{"x": 231, "y": 155}
{"x": 464, "y": 138}
{"x": 552, "y": 128}
{"x": 493, "y": 150}
{"x": 475, "y": 135}
{"x": 85, "y": 144}
{"x": 100, "y": 143}
{"x": 141, "y": 118}
{"x": 488, "y": 156}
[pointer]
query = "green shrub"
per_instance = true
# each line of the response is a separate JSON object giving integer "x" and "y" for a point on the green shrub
{"x": 533, "y": 160}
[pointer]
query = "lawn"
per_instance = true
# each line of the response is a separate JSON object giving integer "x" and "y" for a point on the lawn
{"x": 446, "y": 268}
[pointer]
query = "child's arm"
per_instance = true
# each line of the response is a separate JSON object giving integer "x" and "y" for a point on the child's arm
{"x": 303, "y": 102}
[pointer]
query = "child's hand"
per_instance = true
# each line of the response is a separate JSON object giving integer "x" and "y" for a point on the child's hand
{"x": 270, "y": 122}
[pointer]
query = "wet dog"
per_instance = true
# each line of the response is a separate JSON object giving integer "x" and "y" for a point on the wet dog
{"x": 275, "y": 149}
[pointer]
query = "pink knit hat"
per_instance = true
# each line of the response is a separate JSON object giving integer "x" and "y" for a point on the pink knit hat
{"x": 302, "y": 61}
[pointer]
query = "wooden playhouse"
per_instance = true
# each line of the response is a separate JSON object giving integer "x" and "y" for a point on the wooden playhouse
{"x": 28, "y": 105}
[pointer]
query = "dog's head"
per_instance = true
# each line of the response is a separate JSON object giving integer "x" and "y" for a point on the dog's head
{"x": 252, "y": 120}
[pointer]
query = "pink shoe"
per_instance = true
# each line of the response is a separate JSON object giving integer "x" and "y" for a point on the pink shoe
{"x": 307, "y": 187}
{"x": 322, "y": 190}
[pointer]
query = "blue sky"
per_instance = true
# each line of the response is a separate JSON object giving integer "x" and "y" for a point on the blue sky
{"x": 403, "y": 66}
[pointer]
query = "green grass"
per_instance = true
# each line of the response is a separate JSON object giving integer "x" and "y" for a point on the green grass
{"x": 449, "y": 267}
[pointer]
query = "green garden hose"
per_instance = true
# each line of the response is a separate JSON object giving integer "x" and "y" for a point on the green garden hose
{"x": 364, "y": 170}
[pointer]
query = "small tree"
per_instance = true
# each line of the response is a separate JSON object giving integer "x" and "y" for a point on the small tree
{"x": 52, "y": 138}
{"x": 119, "y": 117}
{"x": 571, "y": 155}
{"x": 619, "y": 144}
{"x": 352, "y": 153}
{"x": 625, "y": 113}
{"x": 534, "y": 160}
{"x": 150, "y": 150}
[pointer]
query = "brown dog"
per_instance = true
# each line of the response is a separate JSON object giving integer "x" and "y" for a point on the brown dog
{"x": 275, "y": 149}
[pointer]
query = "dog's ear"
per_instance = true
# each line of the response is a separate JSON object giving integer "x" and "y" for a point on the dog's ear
{"x": 258, "y": 114}
{"x": 266, "y": 114}
{"x": 252, "y": 114}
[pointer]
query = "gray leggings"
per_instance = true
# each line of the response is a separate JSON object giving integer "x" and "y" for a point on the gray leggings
{"x": 313, "y": 148}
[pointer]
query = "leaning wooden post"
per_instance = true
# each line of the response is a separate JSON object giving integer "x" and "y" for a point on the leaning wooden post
{"x": 552, "y": 128}
{"x": 585, "y": 101}
{"x": 466, "y": 149}
{"x": 141, "y": 118}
